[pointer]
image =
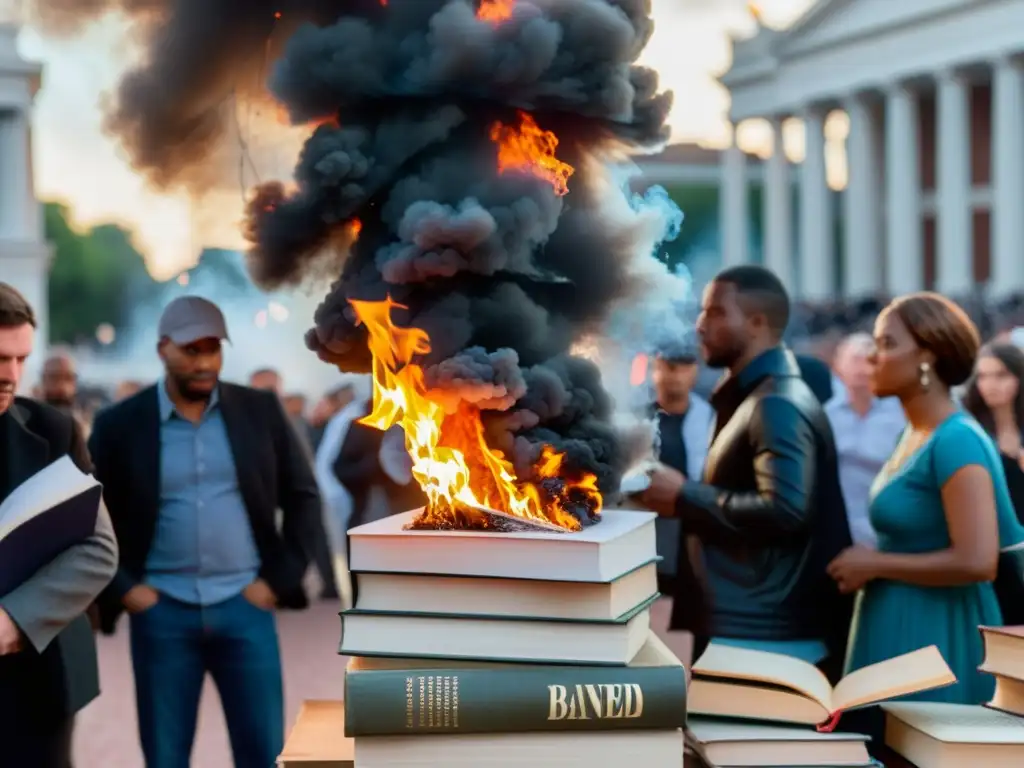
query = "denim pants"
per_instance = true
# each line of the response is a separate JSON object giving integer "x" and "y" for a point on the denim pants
{"x": 174, "y": 645}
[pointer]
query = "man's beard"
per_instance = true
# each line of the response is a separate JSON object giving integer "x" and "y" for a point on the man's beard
{"x": 184, "y": 387}
{"x": 7, "y": 390}
{"x": 61, "y": 403}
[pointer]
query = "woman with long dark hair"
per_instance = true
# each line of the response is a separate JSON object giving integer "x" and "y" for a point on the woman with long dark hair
{"x": 995, "y": 397}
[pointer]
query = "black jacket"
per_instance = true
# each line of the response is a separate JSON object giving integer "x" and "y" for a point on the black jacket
{"x": 769, "y": 514}
{"x": 63, "y": 677}
{"x": 273, "y": 473}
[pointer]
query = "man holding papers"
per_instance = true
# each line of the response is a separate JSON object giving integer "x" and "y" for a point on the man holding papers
{"x": 48, "y": 665}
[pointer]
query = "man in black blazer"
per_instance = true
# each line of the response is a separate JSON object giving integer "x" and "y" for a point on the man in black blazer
{"x": 47, "y": 651}
{"x": 194, "y": 471}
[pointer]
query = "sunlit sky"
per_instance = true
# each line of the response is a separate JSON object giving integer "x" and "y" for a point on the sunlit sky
{"x": 76, "y": 163}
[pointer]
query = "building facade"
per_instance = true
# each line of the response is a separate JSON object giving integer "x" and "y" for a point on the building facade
{"x": 24, "y": 252}
{"x": 934, "y": 94}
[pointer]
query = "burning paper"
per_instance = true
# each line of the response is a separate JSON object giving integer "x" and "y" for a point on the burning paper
{"x": 455, "y": 182}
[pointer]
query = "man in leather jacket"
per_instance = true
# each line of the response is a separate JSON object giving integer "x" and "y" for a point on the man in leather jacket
{"x": 769, "y": 513}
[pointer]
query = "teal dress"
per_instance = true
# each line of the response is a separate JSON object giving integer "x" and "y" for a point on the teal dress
{"x": 906, "y": 511}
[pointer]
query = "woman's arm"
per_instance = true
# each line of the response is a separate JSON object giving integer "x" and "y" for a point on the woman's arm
{"x": 969, "y": 503}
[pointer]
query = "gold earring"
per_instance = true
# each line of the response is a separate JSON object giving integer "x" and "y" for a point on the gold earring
{"x": 925, "y": 378}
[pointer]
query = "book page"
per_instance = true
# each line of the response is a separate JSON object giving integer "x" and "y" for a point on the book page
{"x": 761, "y": 666}
{"x": 959, "y": 723}
{"x": 57, "y": 482}
{"x": 918, "y": 670}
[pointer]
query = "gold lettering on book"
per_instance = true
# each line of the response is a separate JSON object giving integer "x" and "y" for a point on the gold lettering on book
{"x": 455, "y": 701}
{"x": 430, "y": 702}
{"x": 598, "y": 702}
{"x": 423, "y": 696}
{"x": 408, "y": 702}
{"x": 447, "y": 717}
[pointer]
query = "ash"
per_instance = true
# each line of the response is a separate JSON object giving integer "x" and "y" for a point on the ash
{"x": 501, "y": 271}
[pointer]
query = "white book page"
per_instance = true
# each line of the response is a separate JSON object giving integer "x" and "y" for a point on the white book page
{"x": 52, "y": 485}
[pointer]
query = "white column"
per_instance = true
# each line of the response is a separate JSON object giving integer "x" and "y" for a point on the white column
{"x": 1007, "y": 178}
{"x": 778, "y": 239}
{"x": 862, "y": 231}
{"x": 817, "y": 254}
{"x": 734, "y": 213}
{"x": 19, "y": 217}
{"x": 904, "y": 256}
{"x": 955, "y": 257}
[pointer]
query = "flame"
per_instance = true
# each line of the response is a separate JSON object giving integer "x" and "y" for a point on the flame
{"x": 754, "y": 9}
{"x": 495, "y": 11}
{"x": 531, "y": 149}
{"x": 451, "y": 461}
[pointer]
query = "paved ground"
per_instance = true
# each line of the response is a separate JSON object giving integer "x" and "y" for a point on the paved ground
{"x": 106, "y": 735}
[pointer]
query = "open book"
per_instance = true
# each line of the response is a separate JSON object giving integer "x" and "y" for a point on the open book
{"x": 743, "y": 683}
{"x": 54, "y": 509}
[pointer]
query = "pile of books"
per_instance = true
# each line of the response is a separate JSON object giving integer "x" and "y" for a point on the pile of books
{"x": 479, "y": 649}
{"x": 752, "y": 708}
{"x": 936, "y": 735}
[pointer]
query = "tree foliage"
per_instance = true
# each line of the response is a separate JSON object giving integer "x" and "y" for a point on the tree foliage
{"x": 96, "y": 277}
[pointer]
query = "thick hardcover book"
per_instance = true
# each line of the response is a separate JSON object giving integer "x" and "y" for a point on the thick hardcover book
{"x": 53, "y": 510}
{"x": 417, "y": 696}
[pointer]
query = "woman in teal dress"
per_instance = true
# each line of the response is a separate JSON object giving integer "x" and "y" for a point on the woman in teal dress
{"x": 940, "y": 507}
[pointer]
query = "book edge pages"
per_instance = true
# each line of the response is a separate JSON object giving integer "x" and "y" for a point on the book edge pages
{"x": 916, "y": 716}
{"x": 929, "y": 655}
{"x": 722, "y": 673}
{"x": 619, "y": 521}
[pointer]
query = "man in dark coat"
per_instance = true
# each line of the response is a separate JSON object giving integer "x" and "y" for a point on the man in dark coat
{"x": 769, "y": 513}
{"x": 48, "y": 669}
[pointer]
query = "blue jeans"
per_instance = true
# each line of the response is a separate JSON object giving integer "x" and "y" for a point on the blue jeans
{"x": 174, "y": 645}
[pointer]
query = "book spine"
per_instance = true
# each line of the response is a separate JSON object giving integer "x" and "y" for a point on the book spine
{"x": 393, "y": 702}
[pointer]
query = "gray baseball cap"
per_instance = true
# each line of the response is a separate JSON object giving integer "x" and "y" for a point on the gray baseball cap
{"x": 188, "y": 319}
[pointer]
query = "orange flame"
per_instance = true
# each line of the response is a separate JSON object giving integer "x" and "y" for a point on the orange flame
{"x": 528, "y": 148}
{"x": 451, "y": 461}
{"x": 495, "y": 11}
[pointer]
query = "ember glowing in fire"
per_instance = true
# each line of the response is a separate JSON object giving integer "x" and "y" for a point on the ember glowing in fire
{"x": 450, "y": 458}
{"x": 528, "y": 148}
{"x": 495, "y": 11}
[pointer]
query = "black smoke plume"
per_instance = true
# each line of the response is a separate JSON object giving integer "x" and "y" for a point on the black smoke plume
{"x": 502, "y": 272}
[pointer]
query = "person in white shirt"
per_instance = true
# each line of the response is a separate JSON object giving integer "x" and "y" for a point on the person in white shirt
{"x": 866, "y": 431}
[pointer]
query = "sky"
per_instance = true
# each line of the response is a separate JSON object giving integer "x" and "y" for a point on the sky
{"x": 74, "y": 161}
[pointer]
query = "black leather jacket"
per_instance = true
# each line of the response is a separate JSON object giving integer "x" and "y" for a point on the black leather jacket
{"x": 769, "y": 514}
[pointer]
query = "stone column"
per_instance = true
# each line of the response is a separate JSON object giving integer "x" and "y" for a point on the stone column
{"x": 904, "y": 255}
{"x": 955, "y": 262}
{"x": 778, "y": 238}
{"x": 1007, "y": 178}
{"x": 817, "y": 254}
{"x": 862, "y": 231}
{"x": 734, "y": 215}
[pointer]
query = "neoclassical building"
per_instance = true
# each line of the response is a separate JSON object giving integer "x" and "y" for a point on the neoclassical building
{"x": 24, "y": 252}
{"x": 934, "y": 93}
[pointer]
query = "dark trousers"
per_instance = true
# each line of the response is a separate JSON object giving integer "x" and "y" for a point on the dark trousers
{"x": 43, "y": 744}
{"x": 174, "y": 645}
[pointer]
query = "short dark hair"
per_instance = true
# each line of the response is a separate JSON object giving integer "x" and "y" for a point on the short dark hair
{"x": 943, "y": 328}
{"x": 15, "y": 311}
{"x": 763, "y": 289}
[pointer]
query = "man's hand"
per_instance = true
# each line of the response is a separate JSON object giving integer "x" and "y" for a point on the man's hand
{"x": 10, "y": 635}
{"x": 661, "y": 495}
{"x": 261, "y": 595}
{"x": 140, "y": 598}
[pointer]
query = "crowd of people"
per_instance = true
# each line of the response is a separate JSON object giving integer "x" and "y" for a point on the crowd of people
{"x": 892, "y": 471}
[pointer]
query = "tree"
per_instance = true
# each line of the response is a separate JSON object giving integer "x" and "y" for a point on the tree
{"x": 96, "y": 277}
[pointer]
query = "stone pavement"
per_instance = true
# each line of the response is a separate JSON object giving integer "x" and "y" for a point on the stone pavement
{"x": 106, "y": 730}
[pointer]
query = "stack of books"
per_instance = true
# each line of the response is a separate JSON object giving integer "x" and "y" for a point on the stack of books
{"x": 753, "y": 708}
{"x": 937, "y": 735}
{"x": 527, "y": 648}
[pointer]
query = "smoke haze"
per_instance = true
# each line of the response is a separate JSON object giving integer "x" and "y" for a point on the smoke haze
{"x": 398, "y": 188}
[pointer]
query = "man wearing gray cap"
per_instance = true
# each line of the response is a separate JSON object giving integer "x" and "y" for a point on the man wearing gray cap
{"x": 193, "y": 471}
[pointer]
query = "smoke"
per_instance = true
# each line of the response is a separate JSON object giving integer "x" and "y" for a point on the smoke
{"x": 399, "y": 189}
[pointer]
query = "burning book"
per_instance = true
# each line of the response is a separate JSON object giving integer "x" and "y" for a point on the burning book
{"x": 456, "y": 181}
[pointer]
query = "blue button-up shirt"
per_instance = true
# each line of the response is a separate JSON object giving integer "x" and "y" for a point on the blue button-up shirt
{"x": 203, "y": 550}
{"x": 863, "y": 444}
